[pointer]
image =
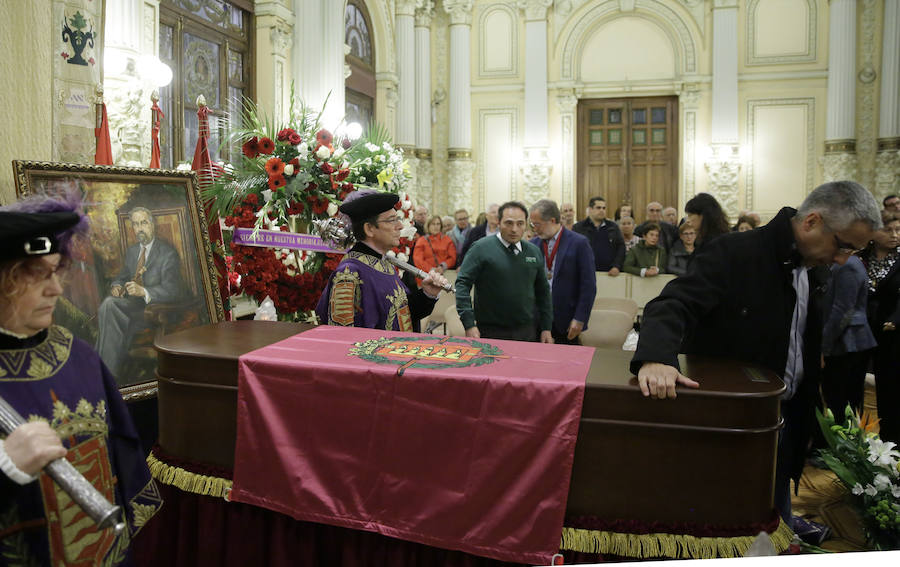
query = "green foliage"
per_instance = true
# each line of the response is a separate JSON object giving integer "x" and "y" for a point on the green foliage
{"x": 77, "y": 21}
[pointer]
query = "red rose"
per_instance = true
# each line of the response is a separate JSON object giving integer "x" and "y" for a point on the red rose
{"x": 311, "y": 186}
{"x": 294, "y": 139}
{"x": 342, "y": 174}
{"x": 274, "y": 167}
{"x": 252, "y": 199}
{"x": 276, "y": 182}
{"x": 326, "y": 167}
{"x": 251, "y": 147}
{"x": 266, "y": 146}
{"x": 296, "y": 163}
{"x": 324, "y": 137}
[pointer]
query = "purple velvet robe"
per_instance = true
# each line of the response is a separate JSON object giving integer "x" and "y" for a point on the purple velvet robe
{"x": 59, "y": 378}
{"x": 365, "y": 291}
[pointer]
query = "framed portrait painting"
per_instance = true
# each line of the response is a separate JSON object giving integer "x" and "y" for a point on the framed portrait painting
{"x": 145, "y": 271}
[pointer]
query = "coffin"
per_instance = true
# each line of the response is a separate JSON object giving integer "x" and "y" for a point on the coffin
{"x": 706, "y": 457}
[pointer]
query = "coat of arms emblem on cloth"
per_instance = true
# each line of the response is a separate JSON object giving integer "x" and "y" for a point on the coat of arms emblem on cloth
{"x": 426, "y": 352}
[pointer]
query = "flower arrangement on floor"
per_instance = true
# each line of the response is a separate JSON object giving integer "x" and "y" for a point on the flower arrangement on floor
{"x": 289, "y": 175}
{"x": 870, "y": 470}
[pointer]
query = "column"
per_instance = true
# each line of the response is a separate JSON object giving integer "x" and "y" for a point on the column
{"x": 567, "y": 103}
{"x": 406, "y": 71}
{"x": 461, "y": 167}
{"x": 887, "y": 162}
{"x": 320, "y": 70}
{"x": 536, "y": 165}
{"x": 126, "y": 93}
{"x": 723, "y": 163}
{"x": 274, "y": 39}
{"x": 840, "y": 127}
{"x": 425, "y": 167}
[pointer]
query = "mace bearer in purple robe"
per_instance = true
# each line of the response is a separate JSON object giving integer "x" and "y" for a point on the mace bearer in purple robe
{"x": 75, "y": 487}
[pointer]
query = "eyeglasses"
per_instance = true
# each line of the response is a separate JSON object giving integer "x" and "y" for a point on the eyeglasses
{"x": 392, "y": 220}
{"x": 41, "y": 271}
{"x": 846, "y": 247}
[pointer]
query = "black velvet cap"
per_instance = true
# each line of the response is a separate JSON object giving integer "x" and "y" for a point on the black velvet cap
{"x": 27, "y": 235}
{"x": 367, "y": 204}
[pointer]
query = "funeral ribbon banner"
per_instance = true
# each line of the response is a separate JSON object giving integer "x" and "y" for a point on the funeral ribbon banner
{"x": 279, "y": 239}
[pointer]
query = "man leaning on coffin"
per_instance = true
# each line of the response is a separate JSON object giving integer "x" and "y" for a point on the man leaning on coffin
{"x": 755, "y": 297}
{"x": 365, "y": 290}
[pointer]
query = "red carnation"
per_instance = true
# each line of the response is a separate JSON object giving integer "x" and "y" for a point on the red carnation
{"x": 252, "y": 199}
{"x": 275, "y": 167}
{"x": 342, "y": 174}
{"x": 276, "y": 182}
{"x": 294, "y": 139}
{"x": 296, "y": 163}
{"x": 266, "y": 146}
{"x": 324, "y": 137}
{"x": 327, "y": 168}
{"x": 397, "y": 205}
{"x": 251, "y": 147}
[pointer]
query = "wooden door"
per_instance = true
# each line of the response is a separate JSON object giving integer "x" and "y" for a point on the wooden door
{"x": 628, "y": 152}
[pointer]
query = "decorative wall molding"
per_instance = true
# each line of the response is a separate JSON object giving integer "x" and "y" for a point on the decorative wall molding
{"x": 282, "y": 38}
{"x": 670, "y": 21}
{"x": 424, "y": 13}
{"x": 750, "y": 33}
{"x": 839, "y": 166}
{"x": 567, "y": 103}
{"x": 459, "y": 184}
{"x": 425, "y": 180}
{"x": 867, "y": 92}
{"x": 483, "y": 155}
{"x": 810, "y": 106}
{"x": 405, "y": 7}
{"x": 887, "y": 173}
{"x": 723, "y": 168}
{"x": 689, "y": 102}
{"x": 484, "y": 32}
{"x": 536, "y": 168}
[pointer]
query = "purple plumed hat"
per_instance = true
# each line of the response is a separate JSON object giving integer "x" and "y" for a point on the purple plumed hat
{"x": 42, "y": 224}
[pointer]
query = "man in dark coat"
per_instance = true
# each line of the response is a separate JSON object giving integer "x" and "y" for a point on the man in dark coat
{"x": 569, "y": 264}
{"x": 754, "y": 296}
{"x": 489, "y": 228}
{"x": 605, "y": 238}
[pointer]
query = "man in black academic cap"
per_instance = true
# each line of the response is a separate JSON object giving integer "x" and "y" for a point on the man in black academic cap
{"x": 364, "y": 290}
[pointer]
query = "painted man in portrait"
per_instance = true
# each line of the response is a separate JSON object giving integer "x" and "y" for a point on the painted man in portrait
{"x": 151, "y": 274}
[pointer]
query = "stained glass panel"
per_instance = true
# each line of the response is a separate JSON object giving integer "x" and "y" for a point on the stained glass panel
{"x": 597, "y": 116}
{"x": 658, "y": 115}
{"x": 166, "y": 35}
{"x": 615, "y": 116}
{"x": 658, "y": 136}
{"x": 615, "y": 137}
{"x": 201, "y": 70}
{"x": 639, "y": 137}
{"x": 235, "y": 66}
{"x": 356, "y": 33}
{"x": 639, "y": 116}
{"x": 597, "y": 138}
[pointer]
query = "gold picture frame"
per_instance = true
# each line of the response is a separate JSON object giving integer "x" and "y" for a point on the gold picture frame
{"x": 175, "y": 274}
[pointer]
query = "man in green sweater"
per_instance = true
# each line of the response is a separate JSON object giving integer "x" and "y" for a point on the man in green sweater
{"x": 511, "y": 284}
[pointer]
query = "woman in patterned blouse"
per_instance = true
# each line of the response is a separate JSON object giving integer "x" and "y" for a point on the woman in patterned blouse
{"x": 882, "y": 261}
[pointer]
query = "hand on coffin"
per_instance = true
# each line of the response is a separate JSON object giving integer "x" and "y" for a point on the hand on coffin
{"x": 32, "y": 445}
{"x": 614, "y": 271}
{"x": 473, "y": 333}
{"x": 658, "y": 380}
{"x": 546, "y": 337}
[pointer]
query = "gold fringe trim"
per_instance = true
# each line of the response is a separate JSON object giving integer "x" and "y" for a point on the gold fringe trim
{"x": 188, "y": 481}
{"x": 675, "y": 546}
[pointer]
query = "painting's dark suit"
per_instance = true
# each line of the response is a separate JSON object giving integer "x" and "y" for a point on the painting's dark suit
{"x": 737, "y": 301}
{"x": 574, "y": 283}
{"x": 121, "y": 317}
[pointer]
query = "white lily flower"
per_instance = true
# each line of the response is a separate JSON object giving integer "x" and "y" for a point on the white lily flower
{"x": 871, "y": 490}
{"x": 857, "y": 489}
{"x": 881, "y": 481}
{"x": 267, "y": 195}
{"x": 895, "y": 491}
{"x": 339, "y": 152}
{"x": 332, "y": 209}
{"x": 371, "y": 147}
{"x": 882, "y": 452}
{"x": 262, "y": 211}
{"x": 289, "y": 170}
{"x": 323, "y": 152}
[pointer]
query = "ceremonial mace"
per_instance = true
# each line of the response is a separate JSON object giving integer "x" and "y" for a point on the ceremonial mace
{"x": 62, "y": 472}
{"x": 336, "y": 234}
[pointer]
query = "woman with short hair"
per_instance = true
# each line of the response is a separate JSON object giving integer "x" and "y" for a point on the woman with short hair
{"x": 647, "y": 258}
{"x": 682, "y": 251}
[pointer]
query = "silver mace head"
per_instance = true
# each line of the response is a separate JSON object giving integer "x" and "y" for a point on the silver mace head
{"x": 335, "y": 233}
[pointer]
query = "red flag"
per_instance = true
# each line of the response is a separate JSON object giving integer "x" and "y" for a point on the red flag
{"x": 203, "y": 165}
{"x": 157, "y": 114}
{"x": 103, "y": 154}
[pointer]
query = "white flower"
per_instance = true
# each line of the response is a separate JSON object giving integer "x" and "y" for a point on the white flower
{"x": 895, "y": 491}
{"x": 229, "y": 169}
{"x": 391, "y": 253}
{"x": 857, "y": 489}
{"x": 303, "y": 150}
{"x": 407, "y": 205}
{"x": 267, "y": 195}
{"x": 402, "y": 256}
{"x": 407, "y": 232}
{"x": 881, "y": 482}
{"x": 332, "y": 209}
{"x": 323, "y": 152}
{"x": 338, "y": 152}
{"x": 183, "y": 167}
{"x": 871, "y": 490}
{"x": 289, "y": 169}
{"x": 882, "y": 452}
{"x": 371, "y": 147}
{"x": 387, "y": 147}
{"x": 262, "y": 211}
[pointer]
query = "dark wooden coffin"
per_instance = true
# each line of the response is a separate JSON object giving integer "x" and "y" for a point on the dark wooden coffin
{"x": 706, "y": 457}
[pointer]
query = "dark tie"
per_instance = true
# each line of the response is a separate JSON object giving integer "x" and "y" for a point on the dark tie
{"x": 512, "y": 248}
{"x": 139, "y": 271}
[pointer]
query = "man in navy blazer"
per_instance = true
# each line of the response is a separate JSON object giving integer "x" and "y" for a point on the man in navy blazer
{"x": 569, "y": 265}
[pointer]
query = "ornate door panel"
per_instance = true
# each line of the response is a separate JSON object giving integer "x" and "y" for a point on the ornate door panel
{"x": 628, "y": 152}
{"x": 207, "y": 45}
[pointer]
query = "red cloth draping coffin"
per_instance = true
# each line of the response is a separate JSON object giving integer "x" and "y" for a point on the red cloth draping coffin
{"x": 476, "y": 458}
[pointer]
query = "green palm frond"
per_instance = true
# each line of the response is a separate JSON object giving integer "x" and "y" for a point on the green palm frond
{"x": 376, "y": 133}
